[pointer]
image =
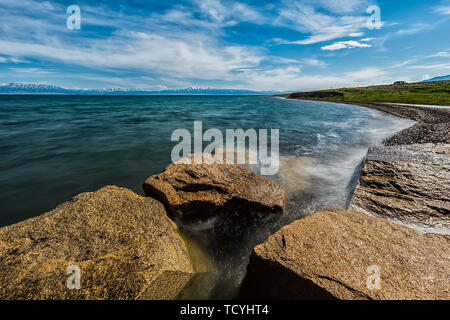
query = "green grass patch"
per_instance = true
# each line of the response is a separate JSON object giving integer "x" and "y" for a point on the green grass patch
{"x": 432, "y": 93}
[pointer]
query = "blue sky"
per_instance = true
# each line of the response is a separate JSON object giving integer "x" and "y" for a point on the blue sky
{"x": 258, "y": 45}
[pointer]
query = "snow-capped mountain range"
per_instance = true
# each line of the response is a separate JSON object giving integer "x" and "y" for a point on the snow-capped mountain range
{"x": 36, "y": 88}
{"x": 28, "y": 88}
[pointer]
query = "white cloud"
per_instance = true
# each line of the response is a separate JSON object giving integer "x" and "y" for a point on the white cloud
{"x": 444, "y": 9}
{"x": 345, "y": 45}
{"x": 140, "y": 82}
{"x": 36, "y": 6}
{"x": 190, "y": 58}
{"x": 442, "y": 54}
{"x": 356, "y": 34}
{"x": 371, "y": 74}
{"x": 229, "y": 14}
{"x": 284, "y": 60}
{"x": 418, "y": 62}
{"x": 416, "y": 28}
{"x": 179, "y": 46}
{"x": 310, "y": 62}
{"x": 12, "y": 59}
{"x": 314, "y": 62}
{"x": 402, "y": 64}
{"x": 214, "y": 9}
{"x": 31, "y": 70}
{"x": 307, "y": 16}
{"x": 432, "y": 66}
{"x": 343, "y": 6}
{"x": 292, "y": 79}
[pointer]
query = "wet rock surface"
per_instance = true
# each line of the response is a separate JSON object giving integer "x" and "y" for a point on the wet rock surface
{"x": 334, "y": 254}
{"x": 407, "y": 184}
{"x": 200, "y": 191}
{"x": 123, "y": 244}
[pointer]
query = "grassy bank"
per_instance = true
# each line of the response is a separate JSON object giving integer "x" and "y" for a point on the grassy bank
{"x": 432, "y": 93}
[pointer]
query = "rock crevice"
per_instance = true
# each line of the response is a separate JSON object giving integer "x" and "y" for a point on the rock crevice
{"x": 407, "y": 184}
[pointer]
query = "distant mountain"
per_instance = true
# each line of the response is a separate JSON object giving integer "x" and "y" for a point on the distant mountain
{"x": 209, "y": 91}
{"x": 29, "y": 88}
{"x": 34, "y": 88}
{"x": 439, "y": 78}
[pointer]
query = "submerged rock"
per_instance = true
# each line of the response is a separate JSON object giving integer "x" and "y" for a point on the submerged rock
{"x": 407, "y": 184}
{"x": 123, "y": 244}
{"x": 337, "y": 254}
{"x": 199, "y": 191}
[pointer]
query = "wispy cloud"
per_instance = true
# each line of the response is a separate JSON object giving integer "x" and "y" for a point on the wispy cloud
{"x": 229, "y": 14}
{"x": 442, "y": 54}
{"x": 178, "y": 58}
{"x": 32, "y": 70}
{"x": 416, "y": 28}
{"x": 312, "y": 62}
{"x": 342, "y": 6}
{"x": 443, "y": 9}
{"x": 309, "y": 17}
{"x": 292, "y": 79}
{"x": 366, "y": 73}
{"x": 431, "y": 66}
{"x": 345, "y": 45}
{"x": 12, "y": 60}
{"x": 169, "y": 49}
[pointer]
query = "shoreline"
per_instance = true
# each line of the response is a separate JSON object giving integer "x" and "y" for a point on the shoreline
{"x": 432, "y": 124}
{"x": 398, "y": 218}
{"x": 399, "y": 180}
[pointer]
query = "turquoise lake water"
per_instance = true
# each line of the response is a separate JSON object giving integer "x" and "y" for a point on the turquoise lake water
{"x": 54, "y": 147}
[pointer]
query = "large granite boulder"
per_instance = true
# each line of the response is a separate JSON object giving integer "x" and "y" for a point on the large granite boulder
{"x": 200, "y": 191}
{"x": 123, "y": 244}
{"x": 407, "y": 184}
{"x": 337, "y": 254}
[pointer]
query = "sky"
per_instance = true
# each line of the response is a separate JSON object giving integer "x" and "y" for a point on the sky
{"x": 285, "y": 45}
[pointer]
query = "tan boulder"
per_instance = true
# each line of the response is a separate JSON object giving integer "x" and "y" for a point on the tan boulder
{"x": 407, "y": 184}
{"x": 123, "y": 244}
{"x": 199, "y": 191}
{"x": 336, "y": 254}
